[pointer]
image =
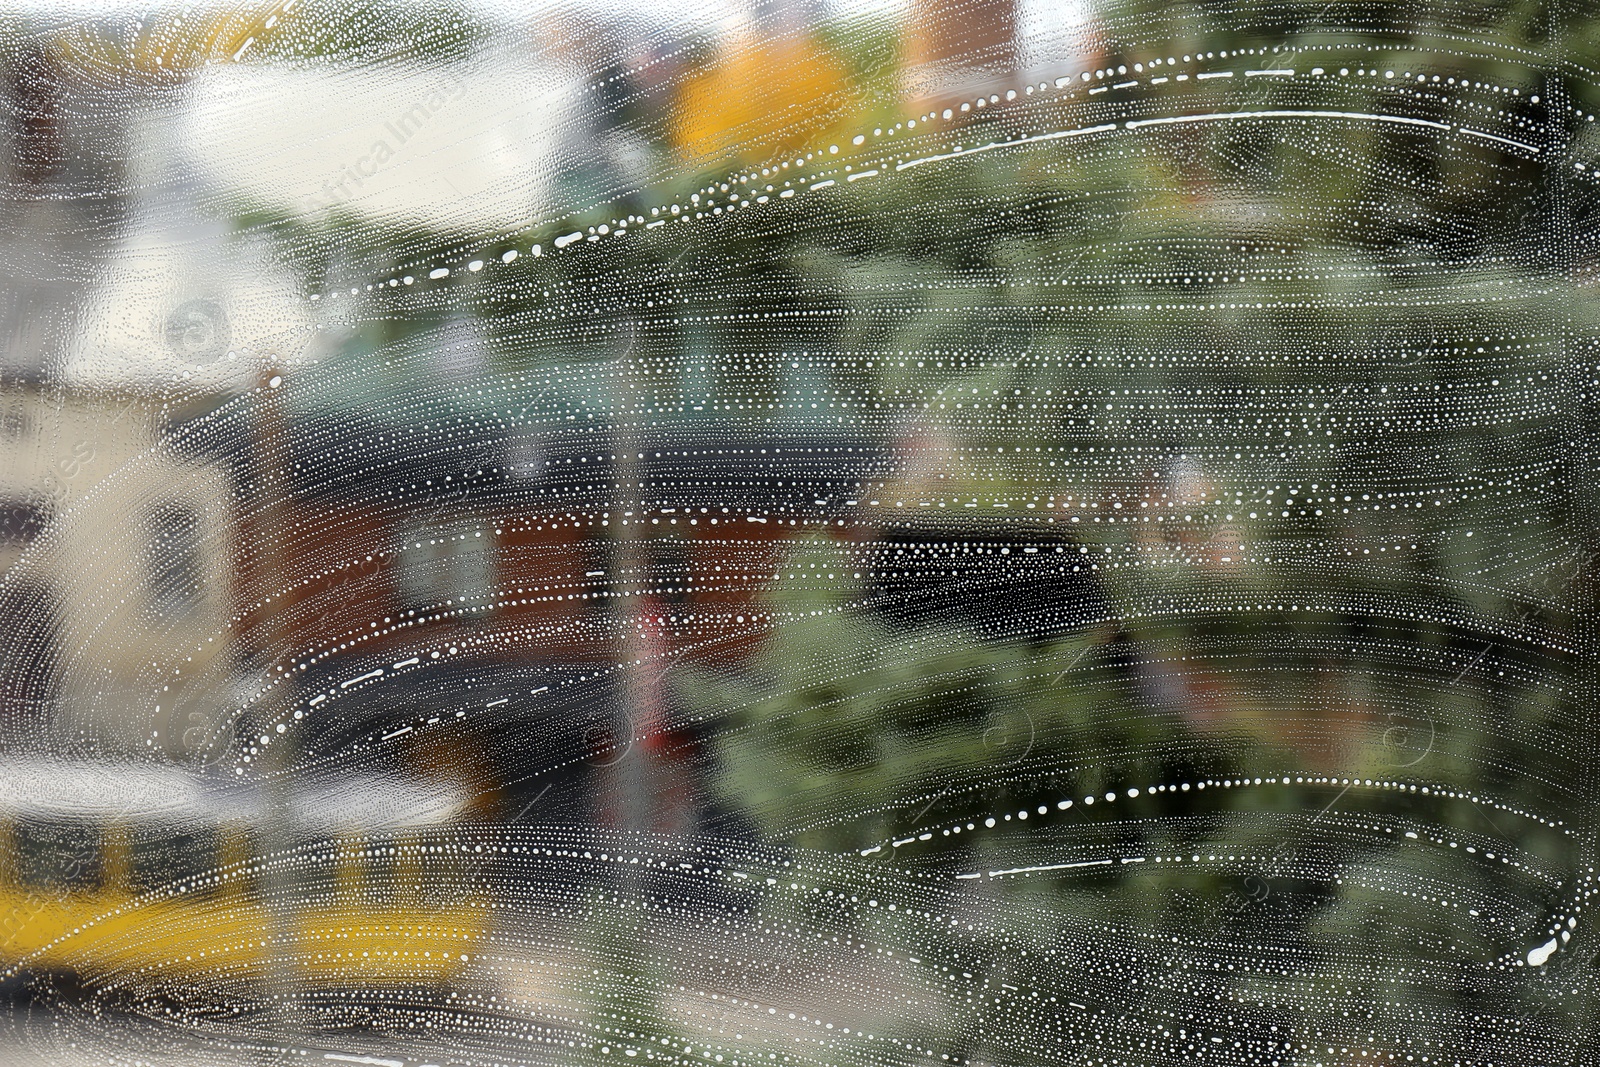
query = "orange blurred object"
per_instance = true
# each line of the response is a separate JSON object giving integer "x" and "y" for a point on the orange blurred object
{"x": 761, "y": 97}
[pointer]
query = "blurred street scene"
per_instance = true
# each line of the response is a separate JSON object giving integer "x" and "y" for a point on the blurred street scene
{"x": 914, "y": 533}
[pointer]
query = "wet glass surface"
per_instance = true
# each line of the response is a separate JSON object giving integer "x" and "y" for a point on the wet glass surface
{"x": 926, "y": 534}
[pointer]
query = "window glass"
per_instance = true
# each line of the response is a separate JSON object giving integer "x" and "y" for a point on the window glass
{"x": 174, "y": 558}
{"x": 64, "y": 856}
{"x": 165, "y": 855}
{"x": 799, "y": 533}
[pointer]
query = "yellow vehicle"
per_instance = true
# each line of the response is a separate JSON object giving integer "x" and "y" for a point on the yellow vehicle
{"x": 130, "y": 874}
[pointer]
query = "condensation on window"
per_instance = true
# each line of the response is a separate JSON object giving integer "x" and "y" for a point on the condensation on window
{"x": 894, "y": 532}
